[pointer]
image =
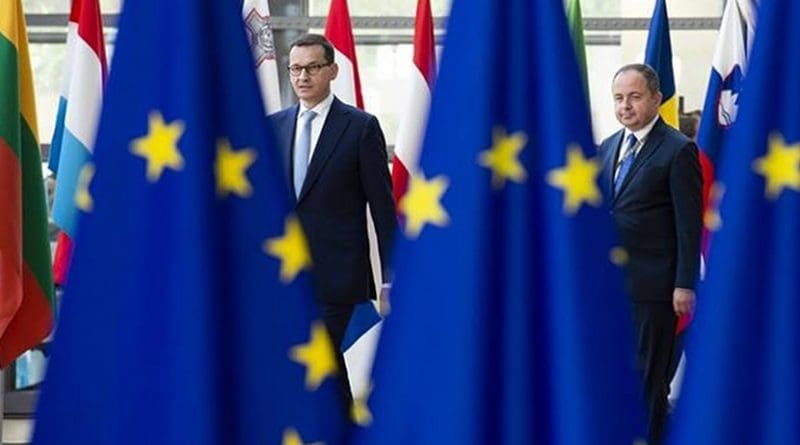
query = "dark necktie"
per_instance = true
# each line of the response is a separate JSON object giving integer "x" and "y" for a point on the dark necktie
{"x": 625, "y": 164}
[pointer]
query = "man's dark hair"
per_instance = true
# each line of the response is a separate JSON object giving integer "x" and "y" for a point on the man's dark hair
{"x": 647, "y": 71}
{"x": 315, "y": 39}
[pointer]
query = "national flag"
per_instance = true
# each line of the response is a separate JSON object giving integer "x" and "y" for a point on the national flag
{"x": 188, "y": 316}
{"x": 575, "y": 23}
{"x": 741, "y": 384}
{"x": 658, "y": 55}
{"x": 26, "y": 283}
{"x": 61, "y": 258}
{"x": 362, "y": 333}
{"x": 728, "y": 69}
{"x": 262, "y": 43}
{"x": 412, "y": 124}
{"x": 510, "y": 323}
{"x": 339, "y": 31}
{"x": 76, "y": 124}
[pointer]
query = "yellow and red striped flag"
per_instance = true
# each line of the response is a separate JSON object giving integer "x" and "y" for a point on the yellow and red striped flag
{"x": 659, "y": 56}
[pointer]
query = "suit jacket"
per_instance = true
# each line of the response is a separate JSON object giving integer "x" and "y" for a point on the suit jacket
{"x": 348, "y": 170}
{"x": 657, "y": 212}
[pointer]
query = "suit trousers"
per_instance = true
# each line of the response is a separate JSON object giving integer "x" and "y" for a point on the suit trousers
{"x": 336, "y": 318}
{"x": 654, "y": 330}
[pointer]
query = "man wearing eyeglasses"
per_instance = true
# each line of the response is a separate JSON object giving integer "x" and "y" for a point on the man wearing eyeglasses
{"x": 336, "y": 162}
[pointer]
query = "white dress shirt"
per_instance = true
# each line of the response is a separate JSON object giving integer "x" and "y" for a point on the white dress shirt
{"x": 641, "y": 137}
{"x": 317, "y": 123}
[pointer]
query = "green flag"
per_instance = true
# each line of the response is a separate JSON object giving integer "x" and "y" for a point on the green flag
{"x": 26, "y": 283}
{"x": 575, "y": 23}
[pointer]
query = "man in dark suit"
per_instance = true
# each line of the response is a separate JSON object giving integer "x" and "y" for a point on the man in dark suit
{"x": 653, "y": 182}
{"x": 336, "y": 162}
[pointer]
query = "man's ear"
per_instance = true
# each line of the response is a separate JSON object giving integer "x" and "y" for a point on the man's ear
{"x": 334, "y": 70}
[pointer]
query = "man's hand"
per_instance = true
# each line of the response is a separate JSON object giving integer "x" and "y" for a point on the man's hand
{"x": 683, "y": 301}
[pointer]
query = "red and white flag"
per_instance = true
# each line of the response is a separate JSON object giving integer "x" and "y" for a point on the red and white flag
{"x": 339, "y": 31}
{"x": 412, "y": 123}
{"x": 78, "y": 114}
{"x": 262, "y": 44}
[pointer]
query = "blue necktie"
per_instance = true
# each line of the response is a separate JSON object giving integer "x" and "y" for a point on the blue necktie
{"x": 301, "y": 151}
{"x": 625, "y": 164}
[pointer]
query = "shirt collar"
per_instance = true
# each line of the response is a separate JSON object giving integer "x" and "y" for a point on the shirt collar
{"x": 642, "y": 133}
{"x": 321, "y": 108}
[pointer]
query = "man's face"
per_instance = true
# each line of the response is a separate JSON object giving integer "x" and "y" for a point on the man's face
{"x": 310, "y": 88}
{"x": 634, "y": 104}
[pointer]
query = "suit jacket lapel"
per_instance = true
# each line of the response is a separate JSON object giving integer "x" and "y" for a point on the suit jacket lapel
{"x": 610, "y": 162}
{"x": 284, "y": 133}
{"x": 332, "y": 130}
{"x": 650, "y": 146}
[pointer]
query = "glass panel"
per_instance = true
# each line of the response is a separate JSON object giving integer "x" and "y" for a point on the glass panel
{"x": 62, "y": 6}
{"x": 45, "y": 6}
{"x": 677, "y": 8}
{"x": 383, "y": 69}
{"x": 380, "y": 8}
{"x": 110, "y": 6}
{"x": 600, "y": 8}
{"x": 638, "y": 8}
{"x": 590, "y": 8}
{"x": 47, "y": 60}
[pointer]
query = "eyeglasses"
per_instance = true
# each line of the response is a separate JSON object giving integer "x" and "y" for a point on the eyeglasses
{"x": 311, "y": 69}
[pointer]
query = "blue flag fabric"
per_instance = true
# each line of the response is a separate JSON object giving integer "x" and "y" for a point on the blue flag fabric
{"x": 187, "y": 317}
{"x": 365, "y": 316}
{"x": 509, "y": 323}
{"x": 742, "y": 385}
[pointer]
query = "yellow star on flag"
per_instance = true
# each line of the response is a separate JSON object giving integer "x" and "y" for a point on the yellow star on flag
{"x": 291, "y": 437}
{"x": 316, "y": 355}
{"x": 231, "y": 169}
{"x": 421, "y": 204}
{"x": 712, "y": 219}
{"x": 578, "y": 180}
{"x": 780, "y": 167}
{"x": 159, "y": 147}
{"x": 503, "y": 158}
{"x": 291, "y": 249}
{"x": 83, "y": 199}
{"x": 619, "y": 256}
{"x": 360, "y": 412}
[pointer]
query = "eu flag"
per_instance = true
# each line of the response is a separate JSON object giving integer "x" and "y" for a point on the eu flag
{"x": 187, "y": 317}
{"x": 742, "y": 385}
{"x": 509, "y": 322}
